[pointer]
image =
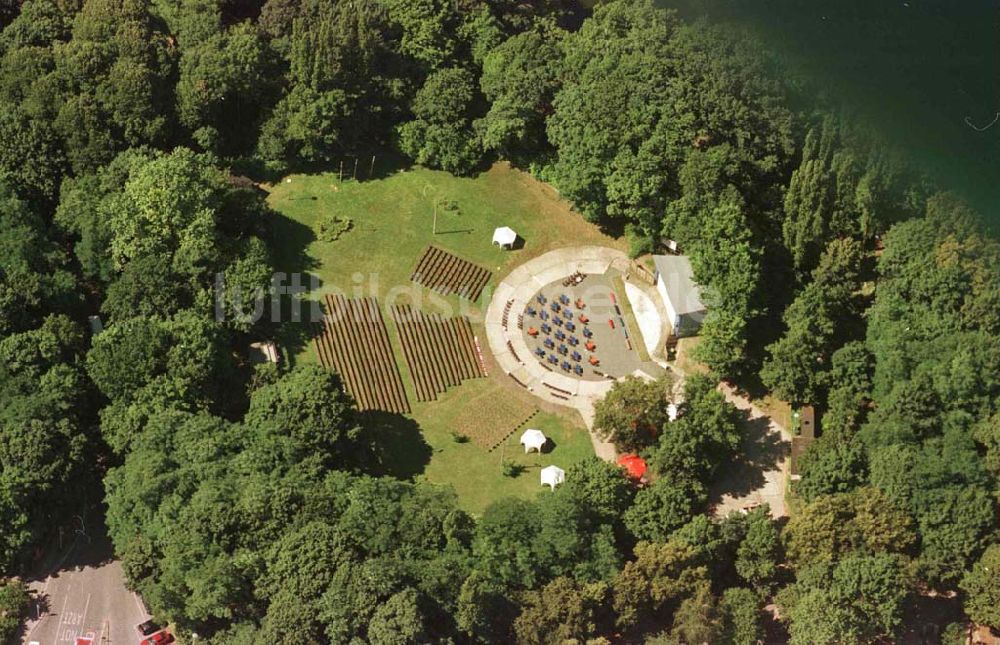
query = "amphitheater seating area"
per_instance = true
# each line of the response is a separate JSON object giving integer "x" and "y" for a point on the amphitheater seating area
{"x": 445, "y": 273}
{"x": 353, "y": 341}
{"x": 440, "y": 352}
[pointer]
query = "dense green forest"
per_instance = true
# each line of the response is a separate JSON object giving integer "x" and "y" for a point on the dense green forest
{"x": 252, "y": 506}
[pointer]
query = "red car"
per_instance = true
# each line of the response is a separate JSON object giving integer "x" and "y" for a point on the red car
{"x": 159, "y": 638}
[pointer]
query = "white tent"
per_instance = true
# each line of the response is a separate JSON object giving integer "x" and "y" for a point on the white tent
{"x": 533, "y": 440}
{"x": 672, "y": 412}
{"x": 504, "y": 237}
{"x": 552, "y": 476}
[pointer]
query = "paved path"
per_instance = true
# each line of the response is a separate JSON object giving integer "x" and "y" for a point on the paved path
{"x": 513, "y": 293}
{"x": 762, "y": 475}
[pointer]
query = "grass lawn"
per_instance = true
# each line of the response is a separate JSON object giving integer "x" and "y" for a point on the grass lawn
{"x": 393, "y": 219}
{"x": 476, "y": 474}
{"x": 392, "y": 222}
{"x": 629, "y": 317}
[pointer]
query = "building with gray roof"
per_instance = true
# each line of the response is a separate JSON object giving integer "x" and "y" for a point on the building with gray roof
{"x": 681, "y": 294}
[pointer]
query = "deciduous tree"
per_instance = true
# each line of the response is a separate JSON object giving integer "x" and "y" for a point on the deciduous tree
{"x": 633, "y": 413}
{"x": 982, "y": 595}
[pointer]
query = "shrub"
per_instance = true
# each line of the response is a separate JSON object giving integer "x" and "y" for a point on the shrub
{"x": 332, "y": 227}
{"x": 511, "y": 469}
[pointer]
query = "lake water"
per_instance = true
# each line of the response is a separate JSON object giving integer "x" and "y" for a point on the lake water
{"x": 924, "y": 72}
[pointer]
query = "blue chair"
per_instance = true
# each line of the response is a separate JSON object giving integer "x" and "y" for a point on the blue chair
{"x": 548, "y": 343}
{"x": 566, "y": 366}
{"x": 539, "y": 352}
{"x": 556, "y": 320}
{"x": 576, "y": 356}
{"x": 563, "y": 350}
{"x": 570, "y": 326}
{"x": 560, "y": 335}
{"x": 564, "y": 299}
{"x": 541, "y": 299}
{"x": 553, "y": 359}
{"x": 546, "y": 329}
{"x": 578, "y": 370}
{"x": 587, "y": 333}
{"x": 544, "y": 315}
{"x": 555, "y": 306}
{"x": 573, "y": 341}
{"x": 568, "y": 314}
{"x": 530, "y": 311}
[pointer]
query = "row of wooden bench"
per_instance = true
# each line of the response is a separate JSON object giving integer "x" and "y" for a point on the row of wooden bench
{"x": 445, "y": 273}
{"x": 557, "y": 389}
{"x": 440, "y": 352}
{"x": 354, "y": 342}
{"x": 510, "y": 348}
{"x": 506, "y": 313}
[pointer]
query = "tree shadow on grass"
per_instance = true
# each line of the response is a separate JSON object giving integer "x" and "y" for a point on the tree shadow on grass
{"x": 292, "y": 325}
{"x": 398, "y": 446}
{"x": 761, "y": 451}
{"x": 386, "y": 164}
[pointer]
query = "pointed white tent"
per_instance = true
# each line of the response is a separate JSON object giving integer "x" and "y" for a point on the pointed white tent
{"x": 552, "y": 476}
{"x": 504, "y": 237}
{"x": 672, "y": 412}
{"x": 533, "y": 440}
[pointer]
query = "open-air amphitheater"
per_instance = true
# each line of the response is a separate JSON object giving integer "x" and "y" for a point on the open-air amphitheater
{"x": 555, "y": 273}
{"x": 561, "y": 327}
{"x": 592, "y": 348}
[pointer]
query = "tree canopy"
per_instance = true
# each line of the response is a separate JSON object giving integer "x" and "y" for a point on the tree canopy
{"x": 138, "y": 141}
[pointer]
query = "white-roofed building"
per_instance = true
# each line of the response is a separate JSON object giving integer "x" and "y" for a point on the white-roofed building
{"x": 552, "y": 476}
{"x": 533, "y": 440}
{"x": 504, "y": 237}
{"x": 681, "y": 294}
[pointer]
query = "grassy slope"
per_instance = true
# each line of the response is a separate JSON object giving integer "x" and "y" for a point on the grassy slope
{"x": 628, "y": 315}
{"x": 392, "y": 226}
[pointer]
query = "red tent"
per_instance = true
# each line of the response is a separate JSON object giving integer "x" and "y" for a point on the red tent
{"x": 634, "y": 465}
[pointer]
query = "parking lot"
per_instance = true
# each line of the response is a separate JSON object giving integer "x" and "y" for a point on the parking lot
{"x": 85, "y": 596}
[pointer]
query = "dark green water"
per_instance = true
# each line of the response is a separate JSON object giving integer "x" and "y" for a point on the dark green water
{"x": 926, "y": 73}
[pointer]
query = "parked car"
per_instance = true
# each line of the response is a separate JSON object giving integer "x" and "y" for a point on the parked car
{"x": 148, "y": 627}
{"x": 159, "y": 638}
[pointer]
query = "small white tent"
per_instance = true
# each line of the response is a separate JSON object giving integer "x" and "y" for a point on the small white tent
{"x": 533, "y": 440}
{"x": 672, "y": 412}
{"x": 552, "y": 476}
{"x": 504, "y": 237}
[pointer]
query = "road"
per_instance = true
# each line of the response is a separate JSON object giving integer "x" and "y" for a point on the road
{"x": 760, "y": 476}
{"x": 84, "y": 596}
